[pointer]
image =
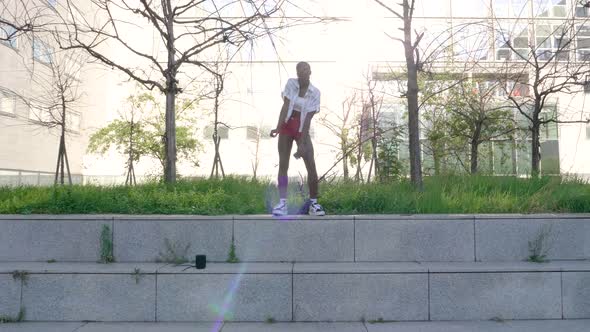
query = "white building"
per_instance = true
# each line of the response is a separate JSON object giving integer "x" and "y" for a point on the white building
{"x": 342, "y": 55}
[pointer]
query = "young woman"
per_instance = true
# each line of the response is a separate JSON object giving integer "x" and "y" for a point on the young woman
{"x": 301, "y": 101}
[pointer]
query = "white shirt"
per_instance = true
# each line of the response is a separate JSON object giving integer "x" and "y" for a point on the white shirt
{"x": 311, "y": 100}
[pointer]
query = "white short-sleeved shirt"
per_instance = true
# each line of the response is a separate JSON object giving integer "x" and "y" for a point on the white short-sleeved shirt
{"x": 311, "y": 99}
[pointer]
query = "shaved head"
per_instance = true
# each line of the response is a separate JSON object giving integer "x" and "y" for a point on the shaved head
{"x": 303, "y": 72}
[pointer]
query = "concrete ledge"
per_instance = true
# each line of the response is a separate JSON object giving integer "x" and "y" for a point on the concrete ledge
{"x": 577, "y": 325}
{"x": 414, "y": 239}
{"x": 378, "y": 238}
{"x": 350, "y": 297}
{"x": 302, "y": 240}
{"x": 508, "y": 239}
{"x": 52, "y": 238}
{"x": 483, "y": 296}
{"x": 301, "y": 291}
{"x": 76, "y": 297}
{"x": 10, "y": 295}
{"x": 144, "y": 240}
{"x": 576, "y": 295}
{"x": 240, "y": 297}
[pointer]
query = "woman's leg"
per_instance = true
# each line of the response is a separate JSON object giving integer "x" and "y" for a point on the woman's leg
{"x": 285, "y": 145}
{"x": 312, "y": 175}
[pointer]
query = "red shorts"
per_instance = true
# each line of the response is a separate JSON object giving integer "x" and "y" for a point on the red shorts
{"x": 291, "y": 127}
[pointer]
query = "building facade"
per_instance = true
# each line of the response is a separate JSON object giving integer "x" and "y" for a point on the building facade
{"x": 354, "y": 50}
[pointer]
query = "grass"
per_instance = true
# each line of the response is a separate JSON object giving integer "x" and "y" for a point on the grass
{"x": 106, "y": 245}
{"x": 238, "y": 195}
{"x": 9, "y": 319}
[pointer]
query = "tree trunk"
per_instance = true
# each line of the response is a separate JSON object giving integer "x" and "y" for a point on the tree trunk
{"x": 170, "y": 140}
{"x": 536, "y": 149}
{"x": 374, "y": 144}
{"x": 513, "y": 156}
{"x": 171, "y": 90}
{"x": 475, "y": 148}
{"x": 412, "y": 97}
{"x": 474, "y": 156}
{"x": 62, "y": 156}
{"x": 358, "y": 175}
{"x": 345, "y": 159}
{"x": 370, "y": 170}
{"x": 436, "y": 159}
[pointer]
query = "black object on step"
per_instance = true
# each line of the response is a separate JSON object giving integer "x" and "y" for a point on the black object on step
{"x": 200, "y": 261}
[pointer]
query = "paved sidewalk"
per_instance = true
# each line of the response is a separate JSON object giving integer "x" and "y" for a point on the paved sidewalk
{"x": 461, "y": 326}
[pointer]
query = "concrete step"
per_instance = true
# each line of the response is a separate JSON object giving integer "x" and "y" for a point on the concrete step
{"x": 299, "y": 292}
{"x": 374, "y": 238}
{"x": 464, "y": 326}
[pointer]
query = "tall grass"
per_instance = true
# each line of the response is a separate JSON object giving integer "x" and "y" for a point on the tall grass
{"x": 238, "y": 195}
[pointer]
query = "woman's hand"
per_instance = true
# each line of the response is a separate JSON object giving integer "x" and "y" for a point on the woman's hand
{"x": 274, "y": 132}
{"x": 301, "y": 146}
{"x": 299, "y": 153}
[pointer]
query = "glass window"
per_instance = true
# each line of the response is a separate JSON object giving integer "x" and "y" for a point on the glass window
{"x": 42, "y": 52}
{"x": 544, "y": 36}
{"x": 523, "y": 157}
{"x": 583, "y": 42}
{"x": 501, "y": 8}
{"x": 471, "y": 8}
{"x": 439, "y": 8}
{"x": 549, "y": 8}
{"x": 52, "y": 3}
{"x": 252, "y": 133}
{"x": 549, "y": 130}
{"x": 472, "y": 42}
{"x": 222, "y": 131}
{"x": 503, "y": 163}
{"x": 7, "y": 103}
{"x": 520, "y": 8}
{"x": 518, "y": 38}
{"x": 582, "y": 8}
{"x": 8, "y": 36}
{"x": 39, "y": 113}
{"x": 510, "y": 8}
{"x": 437, "y": 36}
{"x": 559, "y": 9}
{"x": 73, "y": 121}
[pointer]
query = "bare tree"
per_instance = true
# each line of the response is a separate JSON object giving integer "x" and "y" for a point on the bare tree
{"x": 536, "y": 71}
{"x": 187, "y": 29}
{"x": 23, "y": 17}
{"x": 219, "y": 85}
{"x": 372, "y": 115}
{"x": 56, "y": 98}
{"x": 413, "y": 66}
{"x": 341, "y": 127}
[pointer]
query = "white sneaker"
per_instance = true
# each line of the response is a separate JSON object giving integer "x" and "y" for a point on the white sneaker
{"x": 316, "y": 210}
{"x": 280, "y": 209}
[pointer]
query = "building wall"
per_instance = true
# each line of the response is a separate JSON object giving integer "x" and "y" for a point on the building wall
{"x": 342, "y": 55}
{"x": 26, "y": 144}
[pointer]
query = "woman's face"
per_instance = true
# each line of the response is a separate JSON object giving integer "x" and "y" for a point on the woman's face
{"x": 303, "y": 72}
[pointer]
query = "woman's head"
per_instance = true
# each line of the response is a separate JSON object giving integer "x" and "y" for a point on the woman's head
{"x": 303, "y": 72}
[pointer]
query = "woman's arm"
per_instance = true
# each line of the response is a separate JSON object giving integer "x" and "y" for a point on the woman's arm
{"x": 304, "y": 140}
{"x": 307, "y": 124}
{"x": 282, "y": 117}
